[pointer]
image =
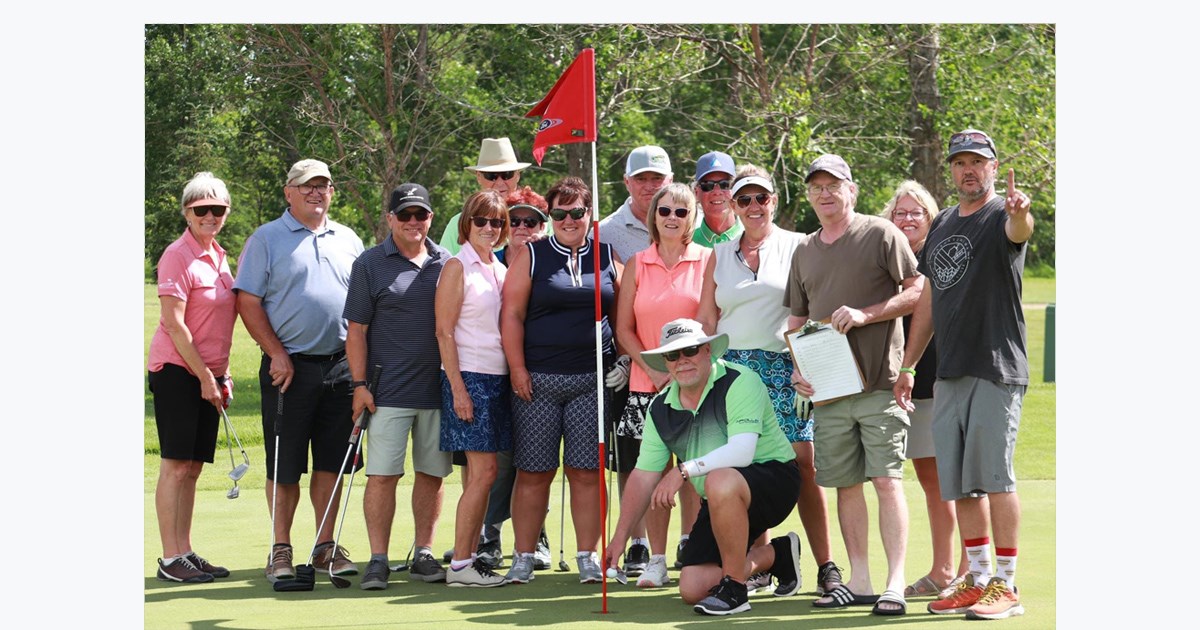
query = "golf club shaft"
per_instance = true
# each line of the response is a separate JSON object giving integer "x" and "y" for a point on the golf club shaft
{"x": 275, "y": 470}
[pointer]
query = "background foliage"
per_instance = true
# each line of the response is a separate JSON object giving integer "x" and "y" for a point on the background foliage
{"x": 385, "y": 104}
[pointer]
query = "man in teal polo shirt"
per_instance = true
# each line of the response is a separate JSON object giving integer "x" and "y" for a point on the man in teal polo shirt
{"x": 717, "y": 419}
{"x": 714, "y": 177}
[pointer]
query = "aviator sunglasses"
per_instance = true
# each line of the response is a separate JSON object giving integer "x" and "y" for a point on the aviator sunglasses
{"x": 743, "y": 201}
{"x": 202, "y": 211}
{"x": 664, "y": 211}
{"x": 482, "y": 221}
{"x": 689, "y": 351}
{"x": 558, "y": 214}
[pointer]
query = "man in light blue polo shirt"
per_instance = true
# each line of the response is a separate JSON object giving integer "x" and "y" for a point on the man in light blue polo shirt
{"x": 291, "y": 285}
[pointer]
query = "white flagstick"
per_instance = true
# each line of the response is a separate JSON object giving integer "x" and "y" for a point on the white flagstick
{"x": 599, "y": 373}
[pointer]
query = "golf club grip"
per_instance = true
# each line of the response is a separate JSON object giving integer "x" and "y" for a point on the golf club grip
{"x": 278, "y": 410}
{"x": 363, "y": 418}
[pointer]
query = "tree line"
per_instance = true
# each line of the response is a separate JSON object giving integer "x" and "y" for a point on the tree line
{"x": 384, "y": 104}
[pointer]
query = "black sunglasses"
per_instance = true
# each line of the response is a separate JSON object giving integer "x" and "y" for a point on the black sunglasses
{"x": 707, "y": 186}
{"x": 689, "y": 351}
{"x": 558, "y": 214}
{"x": 506, "y": 175}
{"x": 404, "y": 217}
{"x": 529, "y": 222}
{"x": 482, "y": 221}
{"x": 743, "y": 201}
{"x": 664, "y": 211}
{"x": 202, "y": 211}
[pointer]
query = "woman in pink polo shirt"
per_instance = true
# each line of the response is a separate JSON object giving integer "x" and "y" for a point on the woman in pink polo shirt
{"x": 189, "y": 370}
{"x": 666, "y": 280}
{"x": 476, "y": 413}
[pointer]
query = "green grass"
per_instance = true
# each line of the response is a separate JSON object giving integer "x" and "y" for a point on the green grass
{"x": 237, "y": 533}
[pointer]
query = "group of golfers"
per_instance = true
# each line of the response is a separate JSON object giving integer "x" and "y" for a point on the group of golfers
{"x": 486, "y": 345}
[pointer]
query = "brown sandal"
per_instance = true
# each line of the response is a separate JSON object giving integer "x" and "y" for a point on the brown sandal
{"x": 922, "y": 588}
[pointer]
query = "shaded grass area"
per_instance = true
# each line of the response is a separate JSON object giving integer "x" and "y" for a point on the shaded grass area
{"x": 237, "y": 534}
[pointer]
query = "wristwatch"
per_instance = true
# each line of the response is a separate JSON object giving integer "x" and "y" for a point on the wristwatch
{"x": 356, "y": 384}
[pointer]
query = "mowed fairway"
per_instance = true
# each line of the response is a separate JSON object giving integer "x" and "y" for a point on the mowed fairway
{"x": 236, "y": 533}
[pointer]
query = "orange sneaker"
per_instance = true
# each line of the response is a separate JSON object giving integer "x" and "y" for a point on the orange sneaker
{"x": 997, "y": 602}
{"x": 963, "y": 598}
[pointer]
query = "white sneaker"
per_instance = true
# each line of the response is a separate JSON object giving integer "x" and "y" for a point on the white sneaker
{"x": 476, "y": 574}
{"x": 589, "y": 568}
{"x": 655, "y": 573}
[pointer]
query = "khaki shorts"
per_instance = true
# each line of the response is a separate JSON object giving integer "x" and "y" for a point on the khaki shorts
{"x": 387, "y": 442}
{"x": 975, "y": 424}
{"x": 859, "y": 438}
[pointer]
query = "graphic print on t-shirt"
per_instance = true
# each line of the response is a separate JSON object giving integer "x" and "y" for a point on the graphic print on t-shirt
{"x": 949, "y": 261}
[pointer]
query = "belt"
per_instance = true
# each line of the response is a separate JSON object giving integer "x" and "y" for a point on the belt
{"x": 319, "y": 358}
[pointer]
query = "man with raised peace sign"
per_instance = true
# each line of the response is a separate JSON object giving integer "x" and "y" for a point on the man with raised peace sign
{"x": 973, "y": 258}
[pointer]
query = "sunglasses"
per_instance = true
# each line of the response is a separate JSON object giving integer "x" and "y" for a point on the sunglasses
{"x": 202, "y": 211}
{"x": 709, "y": 185}
{"x": 529, "y": 222}
{"x": 963, "y": 138}
{"x": 664, "y": 211}
{"x": 558, "y": 214}
{"x": 743, "y": 201}
{"x": 506, "y": 175}
{"x": 689, "y": 351}
{"x": 405, "y": 217}
{"x": 482, "y": 221}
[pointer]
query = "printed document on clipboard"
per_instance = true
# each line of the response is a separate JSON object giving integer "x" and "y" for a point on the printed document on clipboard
{"x": 825, "y": 360}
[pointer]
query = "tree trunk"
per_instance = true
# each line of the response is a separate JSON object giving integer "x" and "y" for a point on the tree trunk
{"x": 927, "y": 167}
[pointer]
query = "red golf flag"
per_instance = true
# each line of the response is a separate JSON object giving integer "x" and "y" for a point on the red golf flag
{"x": 569, "y": 110}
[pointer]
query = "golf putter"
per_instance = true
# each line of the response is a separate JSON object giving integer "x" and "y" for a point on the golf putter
{"x": 562, "y": 514}
{"x": 241, "y": 469}
{"x": 234, "y": 492}
{"x": 403, "y": 566}
{"x": 275, "y": 486}
{"x": 356, "y": 444}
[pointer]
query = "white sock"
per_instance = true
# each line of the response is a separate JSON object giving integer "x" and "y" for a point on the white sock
{"x": 979, "y": 556}
{"x": 459, "y": 565}
{"x": 645, "y": 542}
{"x": 1006, "y": 566}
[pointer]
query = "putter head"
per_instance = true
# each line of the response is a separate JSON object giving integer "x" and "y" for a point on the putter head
{"x": 618, "y": 575}
{"x": 305, "y": 580}
{"x": 239, "y": 471}
{"x": 403, "y": 566}
{"x": 563, "y": 566}
{"x": 233, "y": 492}
{"x": 337, "y": 580}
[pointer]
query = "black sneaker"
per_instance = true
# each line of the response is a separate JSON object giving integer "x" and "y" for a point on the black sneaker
{"x": 376, "y": 577}
{"x": 786, "y": 568}
{"x": 208, "y": 567}
{"x": 636, "y": 559}
{"x": 426, "y": 569}
{"x": 182, "y": 570}
{"x": 726, "y": 598}
{"x": 490, "y": 553}
{"x": 829, "y": 575}
{"x": 679, "y": 553}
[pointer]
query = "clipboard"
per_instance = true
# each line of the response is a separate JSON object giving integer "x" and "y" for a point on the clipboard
{"x": 823, "y": 357}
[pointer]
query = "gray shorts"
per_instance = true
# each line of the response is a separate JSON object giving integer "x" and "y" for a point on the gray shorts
{"x": 920, "y": 429}
{"x": 387, "y": 442}
{"x": 975, "y": 425}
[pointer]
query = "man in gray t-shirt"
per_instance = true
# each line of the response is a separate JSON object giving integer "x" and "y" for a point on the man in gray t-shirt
{"x": 973, "y": 258}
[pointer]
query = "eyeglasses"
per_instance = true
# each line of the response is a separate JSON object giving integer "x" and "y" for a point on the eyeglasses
{"x": 707, "y": 186}
{"x": 664, "y": 211}
{"x": 404, "y": 217}
{"x": 912, "y": 215}
{"x": 482, "y": 221}
{"x": 558, "y": 214}
{"x": 974, "y": 136}
{"x": 202, "y": 211}
{"x": 506, "y": 175}
{"x": 743, "y": 201}
{"x": 308, "y": 189}
{"x": 816, "y": 190}
{"x": 689, "y": 351}
{"x": 529, "y": 222}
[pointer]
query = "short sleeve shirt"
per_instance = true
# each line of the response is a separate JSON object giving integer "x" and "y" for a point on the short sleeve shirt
{"x": 203, "y": 281}
{"x": 624, "y": 232}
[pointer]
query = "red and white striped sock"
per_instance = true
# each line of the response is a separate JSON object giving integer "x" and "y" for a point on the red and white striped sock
{"x": 1006, "y": 565}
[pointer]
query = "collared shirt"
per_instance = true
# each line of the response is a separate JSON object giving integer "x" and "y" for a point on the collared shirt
{"x": 394, "y": 296}
{"x": 624, "y": 232}
{"x": 708, "y": 238}
{"x": 662, "y": 295}
{"x": 477, "y": 331}
{"x": 203, "y": 281}
{"x": 734, "y": 400}
{"x": 301, "y": 276}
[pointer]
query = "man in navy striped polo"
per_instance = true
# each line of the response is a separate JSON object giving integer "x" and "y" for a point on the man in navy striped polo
{"x": 389, "y": 309}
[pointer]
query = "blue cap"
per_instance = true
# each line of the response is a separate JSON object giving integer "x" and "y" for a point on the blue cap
{"x": 714, "y": 161}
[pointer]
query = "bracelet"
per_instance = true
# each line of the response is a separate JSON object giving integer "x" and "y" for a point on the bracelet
{"x": 683, "y": 471}
{"x": 911, "y": 370}
{"x": 357, "y": 384}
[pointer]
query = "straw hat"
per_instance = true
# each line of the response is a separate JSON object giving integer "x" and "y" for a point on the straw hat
{"x": 496, "y": 155}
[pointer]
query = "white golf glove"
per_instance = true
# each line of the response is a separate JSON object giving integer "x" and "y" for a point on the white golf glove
{"x": 618, "y": 376}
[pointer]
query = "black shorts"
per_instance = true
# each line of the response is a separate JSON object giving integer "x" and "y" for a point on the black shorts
{"x": 187, "y": 424}
{"x": 622, "y": 452}
{"x": 317, "y": 408}
{"x": 774, "y": 488}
